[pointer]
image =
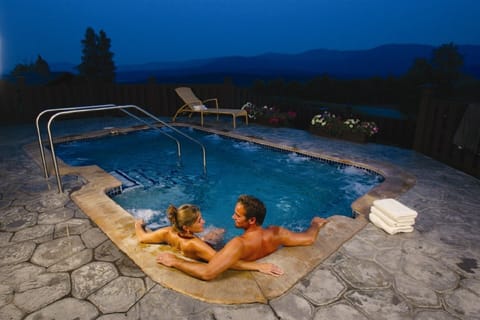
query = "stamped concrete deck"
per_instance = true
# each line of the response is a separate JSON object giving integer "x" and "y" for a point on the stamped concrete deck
{"x": 56, "y": 263}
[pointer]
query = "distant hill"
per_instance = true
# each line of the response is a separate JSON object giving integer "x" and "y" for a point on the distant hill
{"x": 386, "y": 60}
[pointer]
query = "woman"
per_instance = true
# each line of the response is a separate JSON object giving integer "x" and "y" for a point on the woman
{"x": 186, "y": 222}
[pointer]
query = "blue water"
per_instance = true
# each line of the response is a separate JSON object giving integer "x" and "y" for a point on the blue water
{"x": 293, "y": 187}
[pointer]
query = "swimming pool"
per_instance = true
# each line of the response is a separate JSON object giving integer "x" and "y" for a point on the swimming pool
{"x": 294, "y": 187}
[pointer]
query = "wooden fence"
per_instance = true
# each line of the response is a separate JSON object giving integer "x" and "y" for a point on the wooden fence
{"x": 432, "y": 134}
{"x": 22, "y": 103}
{"x": 437, "y": 123}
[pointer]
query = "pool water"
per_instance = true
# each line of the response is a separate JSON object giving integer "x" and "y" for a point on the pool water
{"x": 294, "y": 188}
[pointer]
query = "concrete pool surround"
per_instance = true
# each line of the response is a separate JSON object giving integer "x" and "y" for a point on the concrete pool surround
{"x": 232, "y": 287}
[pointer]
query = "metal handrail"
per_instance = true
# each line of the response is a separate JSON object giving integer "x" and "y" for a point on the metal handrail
{"x": 204, "y": 158}
{"x": 39, "y": 135}
{"x": 179, "y": 151}
{"x": 99, "y": 108}
{"x": 50, "y": 121}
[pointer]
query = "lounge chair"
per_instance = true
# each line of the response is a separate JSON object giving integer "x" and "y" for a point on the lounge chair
{"x": 195, "y": 105}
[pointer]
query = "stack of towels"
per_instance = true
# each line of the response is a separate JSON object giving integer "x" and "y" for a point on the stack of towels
{"x": 392, "y": 216}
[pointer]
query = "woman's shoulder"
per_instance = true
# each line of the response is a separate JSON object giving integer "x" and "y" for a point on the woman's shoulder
{"x": 195, "y": 248}
{"x": 193, "y": 244}
{"x": 165, "y": 230}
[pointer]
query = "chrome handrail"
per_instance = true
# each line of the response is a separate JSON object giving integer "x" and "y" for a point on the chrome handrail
{"x": 64, "y": 111}
{"x": 179, "y": 151}
{"x": 39, "y": 135}
{"x": 179, "y": 132}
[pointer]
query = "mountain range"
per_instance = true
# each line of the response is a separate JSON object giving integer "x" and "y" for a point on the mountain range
{"x": 382, "y": 61}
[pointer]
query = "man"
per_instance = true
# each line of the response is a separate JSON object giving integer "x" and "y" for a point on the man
{"x": 255, "y": 243}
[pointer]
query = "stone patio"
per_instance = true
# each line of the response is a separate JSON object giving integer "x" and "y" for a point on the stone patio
{"x": 56, "y": 263}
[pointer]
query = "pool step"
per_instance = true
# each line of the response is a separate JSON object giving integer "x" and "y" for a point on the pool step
{"x": 137, "y": 178}
{"x": 127, "y": 181}
{"x": 142, "y": 178}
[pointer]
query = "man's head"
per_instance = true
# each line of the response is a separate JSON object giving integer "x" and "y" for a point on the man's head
{"x": 254, "y": 208}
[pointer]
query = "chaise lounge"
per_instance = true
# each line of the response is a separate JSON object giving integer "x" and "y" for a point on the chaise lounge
{"x": 195, "y": 105}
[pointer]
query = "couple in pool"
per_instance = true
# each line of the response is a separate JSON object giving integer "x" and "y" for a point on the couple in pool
{"x": 240, "y": 253}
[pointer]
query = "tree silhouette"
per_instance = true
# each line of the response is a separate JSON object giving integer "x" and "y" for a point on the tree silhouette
{"x": 97, "y": 59}
{"x": 446, "y": 65}
{"x": 41, "y": 67}
{"x": 420, "y": 72}
{"x": 88, "y": 66}
{"x": 106, "y": 65}
{"x": 36, "y": 72}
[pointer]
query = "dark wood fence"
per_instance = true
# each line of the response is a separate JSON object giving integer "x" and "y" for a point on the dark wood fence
{"x": 437, "y": 123}
{"x": 22, "y": 103}
{"x": 432, "y": 134}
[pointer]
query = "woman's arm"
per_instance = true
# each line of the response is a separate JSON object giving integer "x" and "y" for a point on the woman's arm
{"x": 157, "y": 236}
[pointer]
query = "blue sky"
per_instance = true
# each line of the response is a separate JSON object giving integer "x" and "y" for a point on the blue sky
{"x": 171, "y": 30}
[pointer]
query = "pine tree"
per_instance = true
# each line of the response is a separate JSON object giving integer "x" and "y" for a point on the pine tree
{"x": 106, "y": 65}
{"x": 88, "y": 66}
{"x": 97, "y": 59}
{"x": 41, "y": 67}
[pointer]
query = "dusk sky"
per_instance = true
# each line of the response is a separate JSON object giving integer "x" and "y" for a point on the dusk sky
{"x": 145, "y": 31}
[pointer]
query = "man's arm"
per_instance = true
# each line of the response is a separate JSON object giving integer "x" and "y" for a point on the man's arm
{"x": 267, "y": 268}
{"x": 204, "y": 252}
{"x": 306, "y": 238}
{"x": 201, "y": 250}
{"x": 223, "y": 260}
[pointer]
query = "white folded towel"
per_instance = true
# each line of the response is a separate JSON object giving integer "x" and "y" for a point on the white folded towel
{"x": 395, "y": 209}
{"x": 390, "y": 230}
{"x": 391, "y": 222}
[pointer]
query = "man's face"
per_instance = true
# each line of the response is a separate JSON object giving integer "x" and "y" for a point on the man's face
{"x": 239, "y": 216}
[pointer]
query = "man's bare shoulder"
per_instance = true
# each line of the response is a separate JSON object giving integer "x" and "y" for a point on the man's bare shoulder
{"x": 275, "y": 230}
{"x": 237, "y": 241}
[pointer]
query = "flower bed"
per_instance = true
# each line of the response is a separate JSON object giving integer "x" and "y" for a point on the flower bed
{"x": 271, "y": 116}
{"x": 353, "y": 129}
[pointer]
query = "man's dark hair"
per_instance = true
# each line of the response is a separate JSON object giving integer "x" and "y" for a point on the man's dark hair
{"x": 254, "y": 208}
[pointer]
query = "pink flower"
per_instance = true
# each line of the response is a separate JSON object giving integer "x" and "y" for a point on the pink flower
{"x": 291, "y": 114}
{"x": 273, "y": 120}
